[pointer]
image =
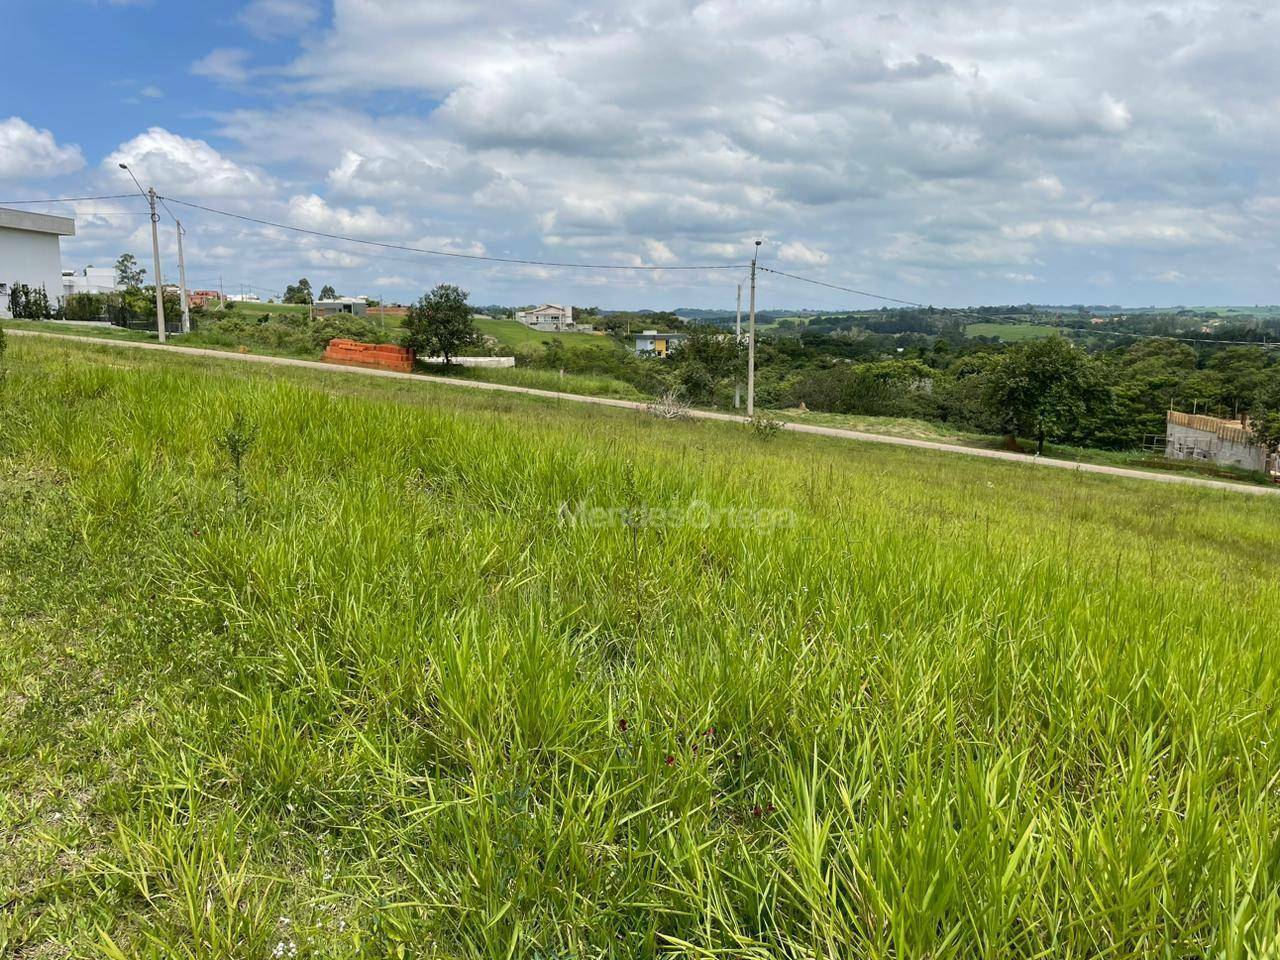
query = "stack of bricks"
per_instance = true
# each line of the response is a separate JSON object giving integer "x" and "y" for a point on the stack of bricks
{"x": 381, "y": 356}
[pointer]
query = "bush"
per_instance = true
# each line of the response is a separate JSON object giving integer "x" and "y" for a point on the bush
{"x": 283, "y": 333}
{"x": 85, "y": 306}
{"x": 344, "y": 326}
{"x": 764, "y": 427}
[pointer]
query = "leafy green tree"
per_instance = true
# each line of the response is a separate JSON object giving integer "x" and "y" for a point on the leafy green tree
{"x": 1264, "y": 427}
{"x": 299, "y": 292}
{"x": 1242, "y": 371}
{"x": 128, "y": 274}
{"x": 440, "y": 324}
{"x": 706, "y": 360}
{"x": 1043, "y": 389}
{"x": 879, "y": 388}
{"x": 1264, "y": 416}
{"x": 328, "y": 293}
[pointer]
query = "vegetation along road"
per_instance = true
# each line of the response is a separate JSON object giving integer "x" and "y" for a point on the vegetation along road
{"x": 698, "y": 414}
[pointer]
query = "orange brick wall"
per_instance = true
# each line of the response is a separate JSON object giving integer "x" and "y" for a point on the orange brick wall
{"x": 383, "y": 356}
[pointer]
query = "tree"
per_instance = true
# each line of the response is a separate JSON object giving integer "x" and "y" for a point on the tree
{"x": 328, "y": 293}
{"x": 440, "y": 323}
{"x": 128, "y": 274}
{"x": 1264, "y": 427}
{"x": 1043, "y": 389}
{"x": 299, "y": 292}
{"x": 29, "y": 303}
{"x": 1264, "y": 418}
{"x": 705, "y": 361}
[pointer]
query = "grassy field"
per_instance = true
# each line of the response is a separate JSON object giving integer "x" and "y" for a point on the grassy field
{"x": 582, "y": 384}
{"x": 435, "y": 673}
{"x": 513, "y": 334}
{"x": 1010, "y": 331}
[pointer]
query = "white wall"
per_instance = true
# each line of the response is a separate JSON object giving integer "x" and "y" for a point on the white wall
{"x": 1182, "y": 441}
{"x": 31, "y": 258}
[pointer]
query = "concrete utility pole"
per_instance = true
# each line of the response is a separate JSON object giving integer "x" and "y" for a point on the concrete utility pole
{"x": 751, "y": 339}
{"x": 182, "y": 278}
{"x": 155, "y": 250}
{"x": 737, "y": 341}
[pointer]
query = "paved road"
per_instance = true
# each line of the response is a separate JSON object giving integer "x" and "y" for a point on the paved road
{"x": 697, "y": 414}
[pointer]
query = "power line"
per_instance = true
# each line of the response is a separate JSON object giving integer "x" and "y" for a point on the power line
{"x": 836, "y": 286}
{"x": 166, "y": 208}
{"x": 114, "y": 196}
{"x": 449, "y": 253}
{"x": 1003, "y": 318}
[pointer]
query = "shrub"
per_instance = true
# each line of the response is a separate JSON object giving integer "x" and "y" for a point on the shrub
{"x": 669, "y": 406}
{"x": 764, "y": 427}
{"x": 85, "y": 306}
{"x": 29, "y": 303}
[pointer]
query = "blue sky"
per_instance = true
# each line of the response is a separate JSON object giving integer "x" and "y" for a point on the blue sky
{"x": 953, "y": 154}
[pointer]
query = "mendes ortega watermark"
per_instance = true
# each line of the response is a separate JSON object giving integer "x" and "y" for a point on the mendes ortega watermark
{"x": 697, "y": 514}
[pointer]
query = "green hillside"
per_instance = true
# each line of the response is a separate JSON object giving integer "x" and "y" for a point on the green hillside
{"x": 350, "y": 667}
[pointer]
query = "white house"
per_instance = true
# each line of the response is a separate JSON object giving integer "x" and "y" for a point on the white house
{"x": 356, "y": 306}
{"x": 30, "y": 252}
{"x": 549, "y": 316}
{"x": 89, "y": 280}
{"x": 653, "y": 343}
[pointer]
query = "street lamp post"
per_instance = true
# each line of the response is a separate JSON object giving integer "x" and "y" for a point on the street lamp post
{"x": 150, "y": 195}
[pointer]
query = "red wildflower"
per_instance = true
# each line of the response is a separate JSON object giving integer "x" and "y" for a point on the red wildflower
{"x": 671, "y": 761}
{"x": 756, "y": 811}
{"x": 622, "y": 724}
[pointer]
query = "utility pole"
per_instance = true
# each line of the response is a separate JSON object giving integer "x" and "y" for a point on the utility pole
{"x": 737, "y": 342}
{"x": 222, "y": 294}
{"x": 155, "y": 254}
{"x": 182, "y": 279}
{"x": 751, "y": 339}
{"x": 155, "y": 249}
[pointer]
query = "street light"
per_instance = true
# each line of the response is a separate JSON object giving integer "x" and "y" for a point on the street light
{"x": 150, "y": 196}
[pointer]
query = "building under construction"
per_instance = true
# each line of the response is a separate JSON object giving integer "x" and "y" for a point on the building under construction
{"x": 1192, "y": 436}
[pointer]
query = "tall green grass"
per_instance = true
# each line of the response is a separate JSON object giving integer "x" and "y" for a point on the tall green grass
{"x": 582, "y": 384}
{"x": 458, "y": 676}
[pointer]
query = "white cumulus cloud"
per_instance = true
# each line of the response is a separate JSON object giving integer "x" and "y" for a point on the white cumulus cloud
{"x": 178, "y": 164}
{"x": 28, "y": 153}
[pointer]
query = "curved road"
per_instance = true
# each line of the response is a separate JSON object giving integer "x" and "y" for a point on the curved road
{"x": 696, "y": 414}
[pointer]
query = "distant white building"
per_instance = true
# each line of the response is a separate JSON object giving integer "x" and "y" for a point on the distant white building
{"x": 653, "y": 343}
{"x": 356, "y": 306}
{"x": 548, "y": 317}
{"x": 89, "y": 280}
{"x": 30, "y": 252}
{"x": 243, "y": 298}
